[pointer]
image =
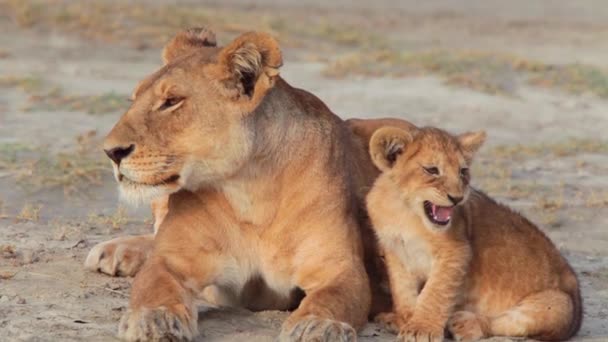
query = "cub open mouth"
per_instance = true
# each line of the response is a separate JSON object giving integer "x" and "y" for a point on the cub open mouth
{"x": 437, "y": 214}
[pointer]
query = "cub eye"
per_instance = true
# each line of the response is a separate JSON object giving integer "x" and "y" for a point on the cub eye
{"x": 431, "y": 170}
{"x": 464, "y": 172}
{"x": 170, "y": 102}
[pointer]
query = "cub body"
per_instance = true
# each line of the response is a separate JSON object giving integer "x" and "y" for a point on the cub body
{"x": 457, "y": 259}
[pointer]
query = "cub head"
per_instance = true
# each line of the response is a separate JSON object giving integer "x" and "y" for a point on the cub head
{"x": 190, "y": 122}
{"x": 428, "y": 167}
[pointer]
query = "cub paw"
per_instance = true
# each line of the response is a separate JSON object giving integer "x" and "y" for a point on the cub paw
{"x": 312, "y": 328}
{"x": 465, "y": 326}
{"x": 123, "y": 256}
{"x": 391, "y": 321}
{"x": 417, "y": 332}
{"x": 156, "y": 325}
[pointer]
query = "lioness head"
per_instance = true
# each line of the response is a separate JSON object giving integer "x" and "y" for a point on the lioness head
{"x": 428, "y": 166}
{"x": 190, "y": 123}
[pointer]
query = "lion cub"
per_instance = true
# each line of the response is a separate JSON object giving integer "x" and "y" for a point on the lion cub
{"x": 456, "y": 258}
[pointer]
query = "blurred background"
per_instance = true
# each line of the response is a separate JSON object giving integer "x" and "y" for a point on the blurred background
{"x": 533, "y": 74}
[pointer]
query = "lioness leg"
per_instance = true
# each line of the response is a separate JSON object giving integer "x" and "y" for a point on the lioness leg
{"x": 546, "y": 315}
{"x": 123, "y": 256}
{"x": 335, "y": 304}
{"x": 160, "y": 308}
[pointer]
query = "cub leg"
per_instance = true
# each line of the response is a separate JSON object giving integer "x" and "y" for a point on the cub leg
{"x": 337, "y": 301}
{"x": 546, "y": 315}
{"x": 404, "y": 289}
{"x": 438, "y": 297}
{"x": 467, "y": 326}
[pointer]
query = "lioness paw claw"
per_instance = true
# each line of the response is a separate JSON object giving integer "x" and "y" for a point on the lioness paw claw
{"x": 318, "y": 329}
{"x": 155, "y": 325}
{"x": 119, "y": 257}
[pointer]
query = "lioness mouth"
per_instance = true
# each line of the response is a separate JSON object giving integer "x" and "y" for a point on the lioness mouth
{"x": 437, "y": 214}
{"x": 165, "y": 181}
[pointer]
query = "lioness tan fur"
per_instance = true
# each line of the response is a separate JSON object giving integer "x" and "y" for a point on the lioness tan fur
{"x": 265, "y": 191}
{"x": 455, "y": 257}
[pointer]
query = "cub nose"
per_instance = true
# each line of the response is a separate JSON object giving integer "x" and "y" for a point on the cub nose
{"x": 118, "y": 153}
{"x": 455, "y": 200}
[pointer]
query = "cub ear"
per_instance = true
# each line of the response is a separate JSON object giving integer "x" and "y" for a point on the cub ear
{"x": 188, "y": 41}
{"x": 248, "y": 67}
{"x": 470, "y": 142}
{"x": 386, "y": 144}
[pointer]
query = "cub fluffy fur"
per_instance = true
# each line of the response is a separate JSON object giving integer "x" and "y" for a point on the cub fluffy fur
{"x": 265, "y": 191}
{"x": 455, "y": 257}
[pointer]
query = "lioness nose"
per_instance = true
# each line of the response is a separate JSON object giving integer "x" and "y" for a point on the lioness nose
{"x": 455, "y": 200}
{"x": 118, "y": 153}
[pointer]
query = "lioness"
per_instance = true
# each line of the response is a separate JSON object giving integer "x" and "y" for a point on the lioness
{"x": 266, "y": 189}
{"x": 454, "y": 256}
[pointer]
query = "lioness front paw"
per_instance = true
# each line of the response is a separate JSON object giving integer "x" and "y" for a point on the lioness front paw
{"x": 123, "y": 256}
{"x": 391, "y": 321}
{"x": 465, "y": 326}
{"x": 419, "y": 332}
{"x": 157, "y": 324}
{"x": 312, "y": 328}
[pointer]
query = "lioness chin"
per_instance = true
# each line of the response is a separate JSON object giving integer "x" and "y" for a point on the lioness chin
{"x": 265, "y": 191}
{"x": 456, "y": 258}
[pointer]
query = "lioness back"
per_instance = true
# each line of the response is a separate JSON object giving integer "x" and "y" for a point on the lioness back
{"x": 455, "y": 257}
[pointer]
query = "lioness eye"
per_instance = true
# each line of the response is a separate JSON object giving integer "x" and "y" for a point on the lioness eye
{"x": 170, "y": 102}
{"x": 464, "y": 172}
{"x": 431, "y": 170}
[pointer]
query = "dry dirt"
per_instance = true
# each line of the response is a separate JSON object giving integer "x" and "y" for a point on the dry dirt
{"x": 61, "y": 91}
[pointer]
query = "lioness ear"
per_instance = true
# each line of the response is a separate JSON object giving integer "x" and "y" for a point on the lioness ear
{"x": 470, "y": 142}
{"x": 188, "y": 41}
{"x": 386, "y": 144}
{"x": 248, "y": 67}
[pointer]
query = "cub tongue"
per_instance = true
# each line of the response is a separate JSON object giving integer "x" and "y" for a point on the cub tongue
{"x": 442, "y": 214}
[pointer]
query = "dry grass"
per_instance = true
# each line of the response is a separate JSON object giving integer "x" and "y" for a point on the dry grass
{"x": 495, "y": 168}
{"x": 28, "y": 84}
{"x": 596, "y": 199}
{"x": 29, "y": 212}
{"x": 3, "y": 213}
{"x": 56, "y": 100}
{"x": 116, "y": 221}
{"x": 6, "y": 275}
{"x": 148, "y": 24}
{"x": 44, "y": 96}
{"x": 75, "y": 171}
{"x": 151, "y": 25}
{"x": 573, "y": 78}
{"x": 562, "y": 148}
{"x": 10, "y": 153}
{"x": 24, "y": 13}
{"x": 488, "y": 72}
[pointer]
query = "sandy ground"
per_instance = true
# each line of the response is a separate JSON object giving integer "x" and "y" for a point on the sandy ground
{"x": 45, "y": 295}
